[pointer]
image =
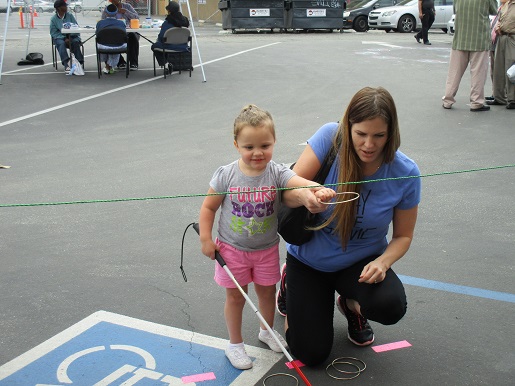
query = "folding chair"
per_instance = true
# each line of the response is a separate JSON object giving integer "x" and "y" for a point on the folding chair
{"x": 55, "y": 55}
{"x": 111, "y": 37}
{"x": 176, "y": 60}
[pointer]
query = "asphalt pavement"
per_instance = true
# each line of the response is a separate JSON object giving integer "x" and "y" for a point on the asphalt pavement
{"x": 128, "y": 160}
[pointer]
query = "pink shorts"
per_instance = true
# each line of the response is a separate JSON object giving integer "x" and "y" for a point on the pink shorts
{"x": 260, "y": 267}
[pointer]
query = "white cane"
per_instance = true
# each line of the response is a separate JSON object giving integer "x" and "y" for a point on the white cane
{"x": 222, "y": 263}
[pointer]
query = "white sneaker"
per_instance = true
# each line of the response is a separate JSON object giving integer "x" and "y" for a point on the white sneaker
{"x": 265, "y": 337}
{"x": 238, "y": 357}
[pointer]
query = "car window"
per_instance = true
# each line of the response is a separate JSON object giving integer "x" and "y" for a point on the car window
{"x": 407, "y": 2}
{"x": 439, "y": 2}
{"x": 362, "y": 4}
{"x": 386, "y": 3}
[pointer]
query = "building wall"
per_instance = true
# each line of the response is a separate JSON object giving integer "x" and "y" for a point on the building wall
{"x": 206, "y": 10}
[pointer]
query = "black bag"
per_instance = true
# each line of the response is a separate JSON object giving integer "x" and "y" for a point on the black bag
{"x": 32, "y": 59}
{"x": 293, "y": 222}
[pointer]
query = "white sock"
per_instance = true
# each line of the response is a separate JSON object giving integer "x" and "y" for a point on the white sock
{"x": 232, "y": 346}
{"x": 264, "y": 332}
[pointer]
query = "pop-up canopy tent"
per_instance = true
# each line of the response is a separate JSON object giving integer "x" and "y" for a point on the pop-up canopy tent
{"x": 9, "y": 3}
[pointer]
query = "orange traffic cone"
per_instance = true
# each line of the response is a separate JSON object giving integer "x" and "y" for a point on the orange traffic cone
{"x": 22, "y": 24}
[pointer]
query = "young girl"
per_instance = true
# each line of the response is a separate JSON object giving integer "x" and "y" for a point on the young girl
{"x": 247, "y": 229}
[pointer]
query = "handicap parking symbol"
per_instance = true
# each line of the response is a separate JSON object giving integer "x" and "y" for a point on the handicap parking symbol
{"x": 107, "y": 349}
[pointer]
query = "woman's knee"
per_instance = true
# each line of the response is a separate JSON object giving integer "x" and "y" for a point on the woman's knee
{"x": 387, "y": 312}
{"x": 310, "y": 348}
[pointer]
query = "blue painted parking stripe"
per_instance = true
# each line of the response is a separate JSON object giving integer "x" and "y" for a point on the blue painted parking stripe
{"x": 459, "y": 289}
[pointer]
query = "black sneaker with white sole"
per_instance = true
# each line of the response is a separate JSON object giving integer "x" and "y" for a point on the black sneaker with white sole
{"x": 133, "y": 67}
{"x": 359, "y": 331}
{"x": 280, "y": 300}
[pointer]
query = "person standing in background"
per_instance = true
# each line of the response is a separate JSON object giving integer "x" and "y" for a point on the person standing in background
{"x": 426, "y": 11}
{"x": 504, "y": 90}
{"x": 470, "y": 45}
{"x": 493, "y": 31}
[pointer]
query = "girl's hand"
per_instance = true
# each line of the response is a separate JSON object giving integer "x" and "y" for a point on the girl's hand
{"x": 325, "y": 194}
{"x": 308, "y": 199}
{"x": 373, "y": 273}
{"x": 209, "y": 248}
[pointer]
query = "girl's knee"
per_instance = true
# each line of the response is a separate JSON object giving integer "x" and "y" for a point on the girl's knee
{"x": 234, "y": 297}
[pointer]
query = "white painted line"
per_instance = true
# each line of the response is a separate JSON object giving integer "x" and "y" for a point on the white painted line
{"x": 382, "y": 44}
{"x": 63, "y": 367}
{"x": 71, "y": 103}
{"x": 265, "y": 359}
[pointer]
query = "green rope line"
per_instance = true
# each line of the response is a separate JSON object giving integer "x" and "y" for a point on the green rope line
{"x": 278, "y": 189}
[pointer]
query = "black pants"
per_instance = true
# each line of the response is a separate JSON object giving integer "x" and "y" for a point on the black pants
{"x": 133, "y": 52}
{"x": 310, "y": 304}
{"x": 427, "y": 22}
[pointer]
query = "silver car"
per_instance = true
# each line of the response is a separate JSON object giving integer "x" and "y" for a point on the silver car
{"x": 404, "y": 16}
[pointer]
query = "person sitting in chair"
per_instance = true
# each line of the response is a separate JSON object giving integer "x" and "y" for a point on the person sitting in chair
{"x": 126, "y": 13}
{"x": 174, "y": 19}
{"x": 111, "y": 60}
{"x": 61, "y": 41}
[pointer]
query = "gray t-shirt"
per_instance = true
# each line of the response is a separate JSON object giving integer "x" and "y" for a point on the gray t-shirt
{"x": 248, "y": 219}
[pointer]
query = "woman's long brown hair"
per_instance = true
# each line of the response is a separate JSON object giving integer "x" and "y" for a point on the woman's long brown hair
{"x": 368, "y": 103}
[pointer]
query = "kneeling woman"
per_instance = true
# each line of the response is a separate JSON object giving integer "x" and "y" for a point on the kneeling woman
{"x": 349, "y": 253}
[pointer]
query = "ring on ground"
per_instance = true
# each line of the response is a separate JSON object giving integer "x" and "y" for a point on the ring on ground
{"x": 280, "y": 375}
{"x": 332, "y": 364}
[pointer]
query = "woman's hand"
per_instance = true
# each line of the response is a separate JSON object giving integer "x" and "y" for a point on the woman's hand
{"x": 309, "y": 199}
{"x": 374, "y": 272}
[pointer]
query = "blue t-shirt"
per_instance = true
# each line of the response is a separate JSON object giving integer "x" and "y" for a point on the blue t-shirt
{"x": 375, "y": 208}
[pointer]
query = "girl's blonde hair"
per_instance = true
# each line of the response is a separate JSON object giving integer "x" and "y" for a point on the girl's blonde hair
{"x": 368, "y": 103}
{"x": 251, "y": 115}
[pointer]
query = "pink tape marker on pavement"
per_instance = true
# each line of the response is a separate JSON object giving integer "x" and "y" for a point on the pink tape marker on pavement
{"x": 198, "y": 377}
{"x": 391, "y": 346}
{"x": 297, "y": 362}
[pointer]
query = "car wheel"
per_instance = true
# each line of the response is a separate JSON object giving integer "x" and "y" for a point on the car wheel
{"x": 39, "y": 10}
{"x": 360, "y": 24}
{"x": 444, "y": 30}
{"x": 406, "y": 23}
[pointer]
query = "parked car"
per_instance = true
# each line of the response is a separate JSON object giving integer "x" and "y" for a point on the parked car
{"x": 3, "y": 6}
{"x": 41, "y": 6}
{"x": 37, "y": 5}
{"x": 74, "y": 5}
{"x": 450, "y": 23}
{"x": 404, "y": 16}
{"x": 15, "y": 5}
{"x": 356, "y": 17}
